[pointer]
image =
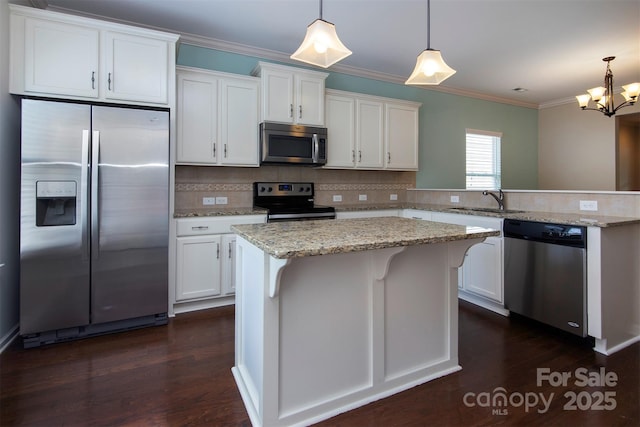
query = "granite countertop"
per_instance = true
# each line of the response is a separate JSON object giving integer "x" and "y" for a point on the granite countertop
{"x": 584, "y": 219}
{"x": 191, "y": 213}
{"x": 292, "y": 239}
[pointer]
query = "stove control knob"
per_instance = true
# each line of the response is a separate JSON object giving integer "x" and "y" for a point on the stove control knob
{"x": 270, "y": 189}
{"x": 308, "y": 189}
{"x": 262, "y": 189}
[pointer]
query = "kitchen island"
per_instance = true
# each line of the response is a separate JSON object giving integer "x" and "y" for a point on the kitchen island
{"x": 334, "y": 314}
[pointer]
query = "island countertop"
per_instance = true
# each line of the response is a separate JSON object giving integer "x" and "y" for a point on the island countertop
{"x": 292, "y": 239}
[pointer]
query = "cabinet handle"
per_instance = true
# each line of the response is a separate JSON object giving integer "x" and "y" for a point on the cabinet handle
{"x": 388, "y": 157}
{"x": 109, "y": 82}
{"x": 230, "y": 250}
{"x": 359, "y": 156}
{"x": 217, "y": 250}
{"x": 213, "y": 144}
{"x": 299, "y": 111}
{"x": 353, "y": 155}
{"x": 200, "y": 227}
{"x": 225, "y": 151}
{"x": 291, "y": 110}
{"x": 93, "y": 80}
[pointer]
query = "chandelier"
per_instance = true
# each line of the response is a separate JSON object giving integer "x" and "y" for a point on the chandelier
{"x": 430, "y": 67}
{"x": 603, "y": 96}
{"x": 321, "y": 45}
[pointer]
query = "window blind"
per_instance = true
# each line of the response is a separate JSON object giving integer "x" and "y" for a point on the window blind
{"x": 483, "y": 160}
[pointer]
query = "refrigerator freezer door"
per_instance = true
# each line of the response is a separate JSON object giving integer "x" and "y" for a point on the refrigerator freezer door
{"x": 130, "y": 213}
{"x": 54, "y": 252}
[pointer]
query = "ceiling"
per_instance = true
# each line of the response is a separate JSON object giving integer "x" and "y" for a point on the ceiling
{"x": 553, "y": 49}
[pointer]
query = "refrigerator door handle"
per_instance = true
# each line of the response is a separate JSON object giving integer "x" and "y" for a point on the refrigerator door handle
{"x": 95, "y": 225}
{"x": 84, "y": 193}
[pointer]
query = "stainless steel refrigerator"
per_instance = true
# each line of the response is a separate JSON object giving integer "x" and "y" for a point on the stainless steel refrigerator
{"x": 94, "y": 220}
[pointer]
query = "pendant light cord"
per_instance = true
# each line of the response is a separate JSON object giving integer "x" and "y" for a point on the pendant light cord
{"x": 320, "y": 9}
{"x": 428, "y": 24}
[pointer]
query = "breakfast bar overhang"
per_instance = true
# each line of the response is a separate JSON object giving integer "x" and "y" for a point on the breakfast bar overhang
{"x": 332, "y": 315}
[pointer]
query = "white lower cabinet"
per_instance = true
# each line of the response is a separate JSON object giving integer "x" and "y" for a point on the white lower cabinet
{"x": 205, "y": 261}
{"x": 199, "y": 267}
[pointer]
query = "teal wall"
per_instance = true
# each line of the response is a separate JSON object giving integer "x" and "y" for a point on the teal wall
{"x": 443, "y": 120}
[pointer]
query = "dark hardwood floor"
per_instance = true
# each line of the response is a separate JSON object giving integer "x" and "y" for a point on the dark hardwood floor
{"x": 180, "y": 375}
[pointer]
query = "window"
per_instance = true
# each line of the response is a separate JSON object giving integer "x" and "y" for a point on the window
{"x": 483, "y": 160}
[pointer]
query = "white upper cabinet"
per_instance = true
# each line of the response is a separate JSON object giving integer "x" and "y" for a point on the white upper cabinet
{"x": 217, "y": 118}
{"x": 401, "y": 136}
{"x": 291, "y": 95}
{"x": 61, "y": 58}
{"x": 341, "y": 130}
{"x": 66, "y": 56}
{"x": 135, "y": 68}
{"x": 370, "y": 132}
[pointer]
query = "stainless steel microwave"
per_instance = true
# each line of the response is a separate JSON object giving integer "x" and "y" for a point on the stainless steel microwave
{"x": 295, "y": 144}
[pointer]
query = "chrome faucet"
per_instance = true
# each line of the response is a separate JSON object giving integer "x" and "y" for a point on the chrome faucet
{"x": 499, "y": 199}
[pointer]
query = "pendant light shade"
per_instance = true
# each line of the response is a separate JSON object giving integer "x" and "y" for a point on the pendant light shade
{"x": 321, "y": 45}
{"x": 430, "y": 67}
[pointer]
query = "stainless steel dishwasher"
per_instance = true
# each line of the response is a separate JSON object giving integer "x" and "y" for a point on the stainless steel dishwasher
{"x": 545, "y": 273}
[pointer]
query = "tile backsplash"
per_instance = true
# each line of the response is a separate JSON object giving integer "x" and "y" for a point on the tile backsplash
{"x": 193, "y": 183}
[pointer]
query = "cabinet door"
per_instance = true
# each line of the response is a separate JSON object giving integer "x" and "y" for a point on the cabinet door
{"x": 482, "y": 269}
{"x": 197, "y": 119}
{"x": 369, "y": 134}
{"x": 198, "y": 267}
{"x": 401, "y": 137}
{"x": 277, "y": 96}
{"x": 228, "y": 264}
{"x": 136, "y": 68}
{"x": 239, "y": 122}
{"x": 341, "y": 132}
{"x": 61, "y": 58}
{"x": 309, "y": 96}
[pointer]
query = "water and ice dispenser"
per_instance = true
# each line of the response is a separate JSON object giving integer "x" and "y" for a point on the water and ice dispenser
{"x": 56, "y": 203}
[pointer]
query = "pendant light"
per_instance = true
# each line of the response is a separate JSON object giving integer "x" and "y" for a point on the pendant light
{"x": 321, "y": 45}
{"x": 430, "y": 67}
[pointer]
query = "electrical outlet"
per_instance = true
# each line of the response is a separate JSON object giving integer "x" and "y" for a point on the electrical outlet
{"x": 337, "y": 197}
{"x": 588, "y": 205}
{"x": 208, "y": 201}
{"x": 221, "y": 201}
{"x": 362, "y": 197}
{"x": 393, "y": 197}
{"x": 455, "y": 199}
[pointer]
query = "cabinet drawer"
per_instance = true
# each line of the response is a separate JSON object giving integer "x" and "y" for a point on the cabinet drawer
{"x": 214, "y": 225}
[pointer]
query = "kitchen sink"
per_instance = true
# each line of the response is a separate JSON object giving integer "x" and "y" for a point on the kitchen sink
{"x": 489, "y": 210}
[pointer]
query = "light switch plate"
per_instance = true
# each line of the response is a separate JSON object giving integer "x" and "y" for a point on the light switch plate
{"x": 221, "y": 201}
{"x": 337, "y": 197}
{"x": 393, "y": 197}
{"x": 208, "y": 201}
{"x": 455, "y": 199}
{"x": 588, "y": 205}
{"x": 362, "y": 197}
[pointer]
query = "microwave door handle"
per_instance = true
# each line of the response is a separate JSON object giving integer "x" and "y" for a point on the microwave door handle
{"x": 314, "y": 148}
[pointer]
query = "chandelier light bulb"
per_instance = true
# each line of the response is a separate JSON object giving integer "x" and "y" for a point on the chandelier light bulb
{"x": 632, "y": 90}
{"x": 596, "y": 93}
